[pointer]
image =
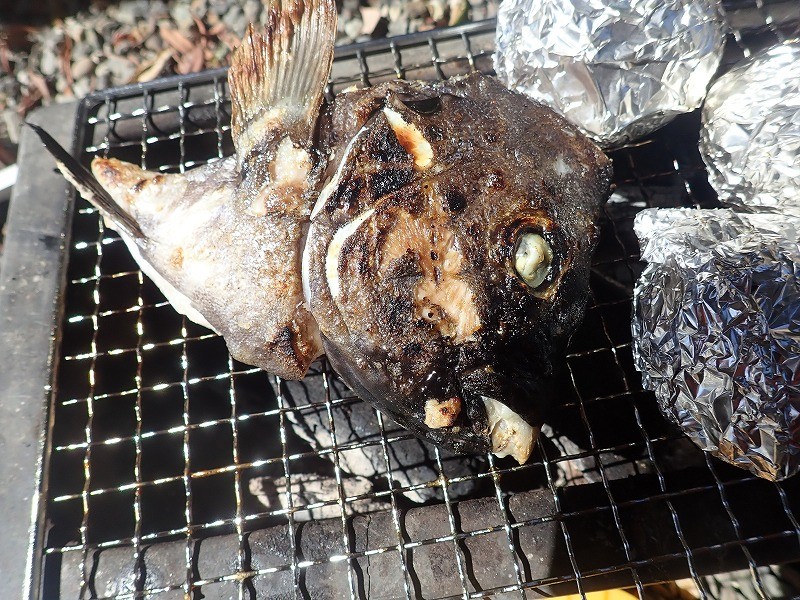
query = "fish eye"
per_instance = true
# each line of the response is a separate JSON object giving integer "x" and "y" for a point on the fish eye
{"x": 536, "y": 257}
{"x": 533, "y": 258}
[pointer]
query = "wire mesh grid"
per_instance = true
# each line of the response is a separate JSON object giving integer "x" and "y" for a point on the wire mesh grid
{"x": 174, "y": 471}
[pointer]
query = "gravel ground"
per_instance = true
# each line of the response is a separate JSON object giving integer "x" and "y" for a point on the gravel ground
{"x": 46, "y": 58}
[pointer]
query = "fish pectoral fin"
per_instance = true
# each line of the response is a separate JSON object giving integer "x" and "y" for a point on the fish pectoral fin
{"x": 88, "y": 185}
{"x": 279, "y": 73}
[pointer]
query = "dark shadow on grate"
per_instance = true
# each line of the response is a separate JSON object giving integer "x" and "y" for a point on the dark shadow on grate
{"x": 176, "y": 470}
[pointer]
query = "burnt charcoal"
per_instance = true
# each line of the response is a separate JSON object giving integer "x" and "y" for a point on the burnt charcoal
{"x": 412, "y": 461}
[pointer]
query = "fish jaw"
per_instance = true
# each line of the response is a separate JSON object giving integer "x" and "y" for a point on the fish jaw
{"x": 407, "y": 411}
{"x": 469, "y": 421}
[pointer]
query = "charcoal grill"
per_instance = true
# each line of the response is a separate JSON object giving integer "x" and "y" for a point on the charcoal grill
{"x": 169, "y": 470}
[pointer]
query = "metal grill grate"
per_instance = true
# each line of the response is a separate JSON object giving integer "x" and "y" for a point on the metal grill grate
{"x": 174, "y": 471}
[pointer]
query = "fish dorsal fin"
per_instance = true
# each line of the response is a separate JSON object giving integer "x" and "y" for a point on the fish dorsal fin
{"x": 279, "y": 73}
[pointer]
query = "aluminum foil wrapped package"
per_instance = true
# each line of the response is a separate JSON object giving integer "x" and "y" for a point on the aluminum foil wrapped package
{"x": 750, "y": 139}
{"x": 716, "y": 330}
{"x": 618, "y": 69}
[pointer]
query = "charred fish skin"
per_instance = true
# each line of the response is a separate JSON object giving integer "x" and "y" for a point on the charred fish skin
{"x": 448, "y": 256}
{"x": 224, "y": 241}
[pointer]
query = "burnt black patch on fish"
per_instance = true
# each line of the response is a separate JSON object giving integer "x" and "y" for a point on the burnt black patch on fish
{"x": 454, "y": 200}
{"x": 140, "y": 185}
{"x": 285, "y": 348}
{"x": 396, "y": 311}
{"x": 409, "y": 198}
{"x": 496, "y": 180}
{"x": 358, "y": 247}
{"x": 388, "y": 180}
{"x": 346, "y": 195}
{"x": 384, "y": 147}
{"x": 549, "y": 188}
{"x": 404, "y": 267}
{"x": 434, "y": 133}
{"x": 412, "y": 349}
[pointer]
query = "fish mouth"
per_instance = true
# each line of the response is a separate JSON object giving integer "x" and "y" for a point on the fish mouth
{"x": 510, "y": 434}
{"x": 505, "y": 431}
{"x": 466, "y": 434}
{"x": 492, "y": 414}
{"x": 508, "y": 406}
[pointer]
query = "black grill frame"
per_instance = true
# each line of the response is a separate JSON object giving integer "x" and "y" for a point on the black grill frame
{"x": 592, "y": 482}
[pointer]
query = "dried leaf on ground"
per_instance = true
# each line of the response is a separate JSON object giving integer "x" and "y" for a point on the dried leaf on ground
{"x": 66, "y": 63}
{"x": 218, "y": 29}
{"x": 7, "y": 157}
{"x": 201, "y": 27}
{"x": 153, "y": 67}
{"x": 230, "y": 39}
{"x": 459, "y": 12}
{"x": 30, "y": 99}
{"x": 190, "y": 62}
{"x": 176, "y": 39}
{"x": 17, "y": 36}
{"x": 40, "y": 84}
{"x": 5, "y": 63}
{"x": 370, "y": 15}
{"x": 134, "y": 37}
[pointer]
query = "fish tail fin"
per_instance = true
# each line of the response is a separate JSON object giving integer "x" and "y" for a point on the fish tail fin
{"x": 88, "y": 185}
{"x": 279, "y": 73}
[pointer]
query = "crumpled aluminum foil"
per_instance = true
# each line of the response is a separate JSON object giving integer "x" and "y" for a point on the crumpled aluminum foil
{"x": 716, "y": 331}
{"x": 618, "y": 69}
{"x": 750, "y": 139}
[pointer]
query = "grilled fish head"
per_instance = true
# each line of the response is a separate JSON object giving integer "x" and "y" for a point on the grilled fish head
{"x": 448, "y": 256}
